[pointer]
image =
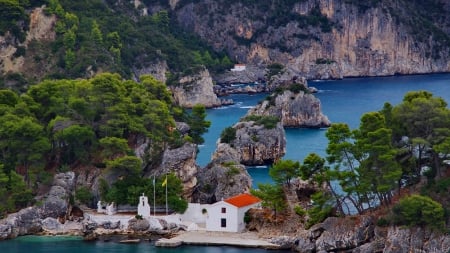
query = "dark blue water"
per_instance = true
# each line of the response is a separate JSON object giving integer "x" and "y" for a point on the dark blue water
{"x": 60, "y": 244}
{"x": 342, "y": 101}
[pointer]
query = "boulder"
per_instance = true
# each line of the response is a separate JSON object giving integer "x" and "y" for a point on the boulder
{"x": 138, "y": 225}
{"x": 26, "y": 221}
{"x": 51, "y": 224}
{"x": 56, "y": 203}
{"x": 5, "y": 231}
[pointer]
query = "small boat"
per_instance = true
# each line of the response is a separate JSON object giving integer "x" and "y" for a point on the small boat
{"x": 130, "y": 241}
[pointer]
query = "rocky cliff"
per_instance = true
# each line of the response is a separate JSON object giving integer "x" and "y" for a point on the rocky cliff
{"x": 182, "y": 162}
{"x": 223, "y": 177}
{"x": 54, "y": 205}
{"x": 196, "y": 89}
{"x": 327, "y": 38}
{"x": 294, "y": 109}
{"x": 257, "y": 144}
{"x": 35, "y": 62}
{"x": 358, "y": 234}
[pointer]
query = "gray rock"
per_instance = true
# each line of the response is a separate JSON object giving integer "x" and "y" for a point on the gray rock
{"x": 284, "y": 242}
{"x": 304, "y": 245}
{"x": 110, "y": 225}
{"x": 196, "y": 89}
{"x": 342, "y": 234}
{"x": 56, "y": 203}
{"x": 258, "y": 145}
{"x": 223, "y": 177}
{"x": 5, "y": 231}
{"x": 293, "y": 110}
{"x": 65, "y": 180}
{"x": 416, "y": 239}
{"x": 182, "y": 162}
{"x": 51, "y": 224}
{"x": 138, "y": 225}
{"x": 26, "y": 221}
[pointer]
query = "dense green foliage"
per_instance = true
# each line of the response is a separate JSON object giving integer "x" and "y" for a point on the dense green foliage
{"x": 386, "y": 153}
{"x": 128, "y": 189}
{"x": 283, "y": 171}
{"x": 228, "y": 135}
{"x": 373, "y": 161}
{"x": 63, "y": 123}
{"x": 272, "y": 196}
{"x": 198, "y": 124}
{"x": 417, "y": 210}
{"x": 108, "y": 36}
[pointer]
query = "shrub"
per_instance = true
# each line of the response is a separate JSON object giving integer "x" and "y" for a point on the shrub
{"x": 268, "y": 122}
{"x": 83, "y": 195}
{"x": 417, "y": 210}
{"x": 300, "y": 211}
{"x": 228, "y": 135}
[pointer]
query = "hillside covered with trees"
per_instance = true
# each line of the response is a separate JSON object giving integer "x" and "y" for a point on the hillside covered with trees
{"x": 63, "y": 125}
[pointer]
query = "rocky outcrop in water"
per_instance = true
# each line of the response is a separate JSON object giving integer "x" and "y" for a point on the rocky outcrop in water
{"x": 257, "y": 144}
{"x": 196, "y": 89}
{"x": 223, "y": 177}
{"x": 294, "y": 109}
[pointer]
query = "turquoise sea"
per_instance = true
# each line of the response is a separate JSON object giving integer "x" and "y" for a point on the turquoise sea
{"x": 342, "y": 101}
{"x": 65, "y": 244}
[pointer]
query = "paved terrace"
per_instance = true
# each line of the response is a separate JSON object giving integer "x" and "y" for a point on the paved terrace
{"x": 248, "y": 239}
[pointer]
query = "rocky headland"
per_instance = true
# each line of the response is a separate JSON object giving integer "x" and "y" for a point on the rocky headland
{"x": 295, "y": 106}
{"x": 197, "y": 89}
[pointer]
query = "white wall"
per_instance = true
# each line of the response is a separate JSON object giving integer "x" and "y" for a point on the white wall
{"x": 213, "y": 220}
{"x": 194, "y": 213}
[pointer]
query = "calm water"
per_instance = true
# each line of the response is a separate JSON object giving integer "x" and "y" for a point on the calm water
{"x": 60, "y": 244}
{"x": 342, "y": 101}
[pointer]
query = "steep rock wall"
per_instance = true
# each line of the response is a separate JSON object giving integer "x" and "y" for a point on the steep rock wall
{"x": 294, "y": 110}
{"x": 196, "y": 89}
{"x": 362, "y": 42}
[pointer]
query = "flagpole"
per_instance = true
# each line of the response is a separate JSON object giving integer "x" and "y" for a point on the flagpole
{"x": 167, "y": 212}
{"x": 154, "y": 196}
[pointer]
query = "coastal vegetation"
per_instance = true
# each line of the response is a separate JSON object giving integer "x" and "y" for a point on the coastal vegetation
{"x": 98, "y": 35}
{"x": 370, "y": 168}
{"x": 63, "y": 125}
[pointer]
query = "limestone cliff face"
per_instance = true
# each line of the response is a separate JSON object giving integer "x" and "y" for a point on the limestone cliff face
{"x": 223, "y": 177}
{"x": 41, "y": 29}
{"x": 294, "y": 110}
{"x": 196, "y": 89}
{"x": 381, "y": 39}
{"x": 258, "y": 145}
{"x": 181, "y": 161}
{"x": 157, "y": 69}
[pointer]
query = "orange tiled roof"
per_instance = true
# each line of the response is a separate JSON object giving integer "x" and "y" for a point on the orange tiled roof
{"x": 242, "y": 200}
